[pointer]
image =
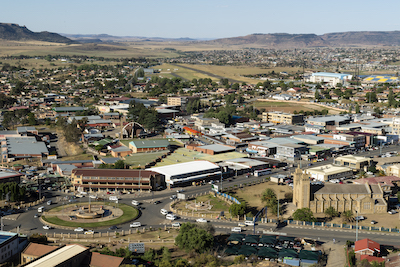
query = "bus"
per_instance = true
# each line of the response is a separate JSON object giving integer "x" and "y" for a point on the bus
{"x": 258, "y": 173}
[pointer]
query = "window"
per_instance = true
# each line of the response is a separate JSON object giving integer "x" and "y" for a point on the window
{"x": 367, "y": 206}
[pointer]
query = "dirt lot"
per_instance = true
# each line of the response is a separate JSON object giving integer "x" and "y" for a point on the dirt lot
{"x": 290, "y": 106}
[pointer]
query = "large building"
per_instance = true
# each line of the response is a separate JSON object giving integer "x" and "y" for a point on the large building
{"x": 103, "y": 180}
{"x": 331, "y": 79}
{"x": 364, "y": 199}
{"x": 282, "y": 118}
{"x": 188, "y": 172}
{"x": 329, "y": 172}
{"x": 10, "y": 245}
{"x": 34, "y": 251}
{"x": 353, "y": 162}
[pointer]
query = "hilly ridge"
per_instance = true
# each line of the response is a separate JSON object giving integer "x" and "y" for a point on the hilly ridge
{"x": 9, "y": 31}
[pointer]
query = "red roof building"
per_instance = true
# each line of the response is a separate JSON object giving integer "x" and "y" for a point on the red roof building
{"x": 367, "y": 247}
{"x": 371, "y": 258}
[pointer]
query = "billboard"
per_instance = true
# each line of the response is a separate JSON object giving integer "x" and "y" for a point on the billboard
{"x": 136, "y": 247}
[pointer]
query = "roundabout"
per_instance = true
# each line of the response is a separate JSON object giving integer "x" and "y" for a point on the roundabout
{"x": 95, "y": 215}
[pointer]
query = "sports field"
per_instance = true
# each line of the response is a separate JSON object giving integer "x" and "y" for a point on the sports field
{"x": 290, "y": 107}
{"x": 185, "y": 155}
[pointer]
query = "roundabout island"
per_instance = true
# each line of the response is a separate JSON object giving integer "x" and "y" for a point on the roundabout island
{"x": 95, "y": 215}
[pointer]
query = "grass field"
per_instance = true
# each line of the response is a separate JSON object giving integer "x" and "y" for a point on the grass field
{"x": 141, "y": 159}
{"x": 129, "y": 214}
{"x": 217, "y": 72}
{"x": 290, "y": 107}
{"x": 185, "y": 155}
{"x": 217, "y": 204}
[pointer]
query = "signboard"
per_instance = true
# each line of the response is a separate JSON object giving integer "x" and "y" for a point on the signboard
{"x": 214, "y": 187}
{"x": 181, "y": 196}
{"x": 136, "y": 247}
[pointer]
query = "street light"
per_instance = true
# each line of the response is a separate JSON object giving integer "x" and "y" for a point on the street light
{"x": 356, "y": 225}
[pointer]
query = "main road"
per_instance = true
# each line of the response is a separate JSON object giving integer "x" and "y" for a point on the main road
{"x": 151, "y": 216}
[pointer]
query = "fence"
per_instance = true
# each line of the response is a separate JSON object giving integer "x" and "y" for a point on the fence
{"x": 228, "y": 197}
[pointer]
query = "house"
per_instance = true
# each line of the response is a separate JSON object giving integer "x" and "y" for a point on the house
{"x": 100, "y": 260}
{"x": 367, "y": 247}
{"x": 354, "y": 162}
{"x": 120, "y": 151}
{"x": 34, "y": 251}
{"x": 138, "y": 146}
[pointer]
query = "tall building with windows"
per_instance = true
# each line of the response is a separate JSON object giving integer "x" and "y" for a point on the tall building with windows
{"x": 282, "y": 118}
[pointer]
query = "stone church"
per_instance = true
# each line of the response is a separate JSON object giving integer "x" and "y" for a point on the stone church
{"x": 364, "y": 198}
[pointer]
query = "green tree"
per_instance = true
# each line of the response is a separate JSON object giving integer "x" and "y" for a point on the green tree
{"x": 331, "y": 212}
{"x": 348, "y": 214}
{"x": 237, "y": 209}
{"x": 351, "y": 109}
{"x": 304, "y": 214}
{"x": 357, "y": 108}
{"x": 391, "y": 99}
{"x": 191, "y": 238}
{"x": 119, "y": 164}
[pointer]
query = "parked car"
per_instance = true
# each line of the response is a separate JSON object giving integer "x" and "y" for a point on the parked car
{"x": 236, "y": 229}
{"x": 392, "y": 212}
{"x": 176, "y": 224}
{"x": 241, "y": 224}
{"x": 359, "y": 218}
{"x": 89, "y": 232}
{"x": 79, "y": 229}
{"x": 374, "y": 222}
{"x": 201, "y": 220}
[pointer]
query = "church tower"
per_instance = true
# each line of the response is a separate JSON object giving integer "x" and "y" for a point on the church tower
{"x": 301, "y": 189}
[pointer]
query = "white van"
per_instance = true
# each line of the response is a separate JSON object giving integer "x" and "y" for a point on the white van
{"x": 170, "y": 217}
{"x": 135, "y": 203}
{"x": 135, "y": 224}
{"x": 41, "y": 209}
{"x": 249, "y": 223}
{"x": 113, "y": 198}
{"x": 164, "y": 211}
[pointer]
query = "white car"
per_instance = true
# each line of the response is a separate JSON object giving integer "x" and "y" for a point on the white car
{"x": 92, "y": 196}
{"x": 176, "y": 224}
{"x": 135, "y": 224}
{"x": 392, "y": 212}
{"x": 79, "y": 229}
{"x": 249, "y": 223}
{"x": 237, "y": 229}
{"x": 46, "y": 227}
{"x": 171, "y": 217}
{"x": 201, "y": 220}
{"x": 89, "y": 232}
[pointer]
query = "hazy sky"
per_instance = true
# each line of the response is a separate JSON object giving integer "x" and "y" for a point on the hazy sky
{"x": 201, "y": 18}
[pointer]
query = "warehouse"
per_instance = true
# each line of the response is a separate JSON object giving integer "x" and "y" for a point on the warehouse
{"x": 188, "y": 172}
{"x": 329, "y": 172}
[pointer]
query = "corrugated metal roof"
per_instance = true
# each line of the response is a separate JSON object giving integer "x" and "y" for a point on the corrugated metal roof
{"x": 150, "y": 143}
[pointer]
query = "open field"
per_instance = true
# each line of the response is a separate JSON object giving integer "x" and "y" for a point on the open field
{"x": 215, "y": 72}
{"x": 290, "y": 107}
{"x": 141, "y": 159}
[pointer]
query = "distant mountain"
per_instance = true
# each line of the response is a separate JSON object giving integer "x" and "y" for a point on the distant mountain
{"x": 9, "y": 31}
{"x": 274, "y": 40}
{"x": 288, "y": 41}
{"x": 86, "y": 38}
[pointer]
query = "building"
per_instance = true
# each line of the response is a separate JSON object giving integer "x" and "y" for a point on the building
{"x": 329, "y": 172}
{"x": 367, "y": 247}
{"x": 7, "y": 176}
{"x": 138, "y": 146}
{"x": 291, "y": 151}
{"x": 34, "y": 251}
{"x": 104, "y": 180}
{"x": 282, "y": 118}
{"x": 364, "y": 199}
{"x": 353, "y": 162}
{"x": 121, "y": 151}
{"x": 10, "y": 245}
{"x": 188, "y": 172}
{"x": 389, "y": 184}
{"x": 66, "y": 256}
{"x": 100, "y": 260}
{"x": 331, "y": 79}
{"x": 211, "y": 149}
{"x": 14, "y": 148}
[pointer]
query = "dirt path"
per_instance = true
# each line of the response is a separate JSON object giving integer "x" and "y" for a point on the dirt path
{"x": 336, "y": 254}
{"x": 207, "y": 73}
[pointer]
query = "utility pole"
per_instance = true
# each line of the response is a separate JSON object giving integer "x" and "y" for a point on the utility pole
{"x": 221, "y": 179}
{"x": 357, "y": 225}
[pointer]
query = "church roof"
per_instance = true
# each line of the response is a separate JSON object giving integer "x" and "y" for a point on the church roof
{"x": 341, "y": 189}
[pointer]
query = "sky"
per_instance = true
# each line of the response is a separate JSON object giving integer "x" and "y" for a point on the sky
{"x": 207, "y": 19}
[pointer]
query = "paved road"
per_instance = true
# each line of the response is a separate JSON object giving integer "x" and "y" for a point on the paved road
{"x": 151, "y": 216}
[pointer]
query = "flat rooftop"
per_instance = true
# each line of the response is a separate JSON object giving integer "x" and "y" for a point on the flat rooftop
{"x": 59, "y": 256}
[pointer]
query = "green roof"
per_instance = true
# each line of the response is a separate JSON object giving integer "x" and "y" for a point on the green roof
{"x": 309, "y": 255}
{"x": 291, "y": 253}
{"x": 149, "y": 143}
{"x": 267, "y": 252}
{"x": 103, "y": 142}
{"x": 236, "y": 237}
{"x": 247, "y": 250}
{"x": 268, "y": 239}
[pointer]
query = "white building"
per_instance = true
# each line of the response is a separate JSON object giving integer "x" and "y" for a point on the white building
{"x": 10, "y": 244}
{"x": 329, "y": 78}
